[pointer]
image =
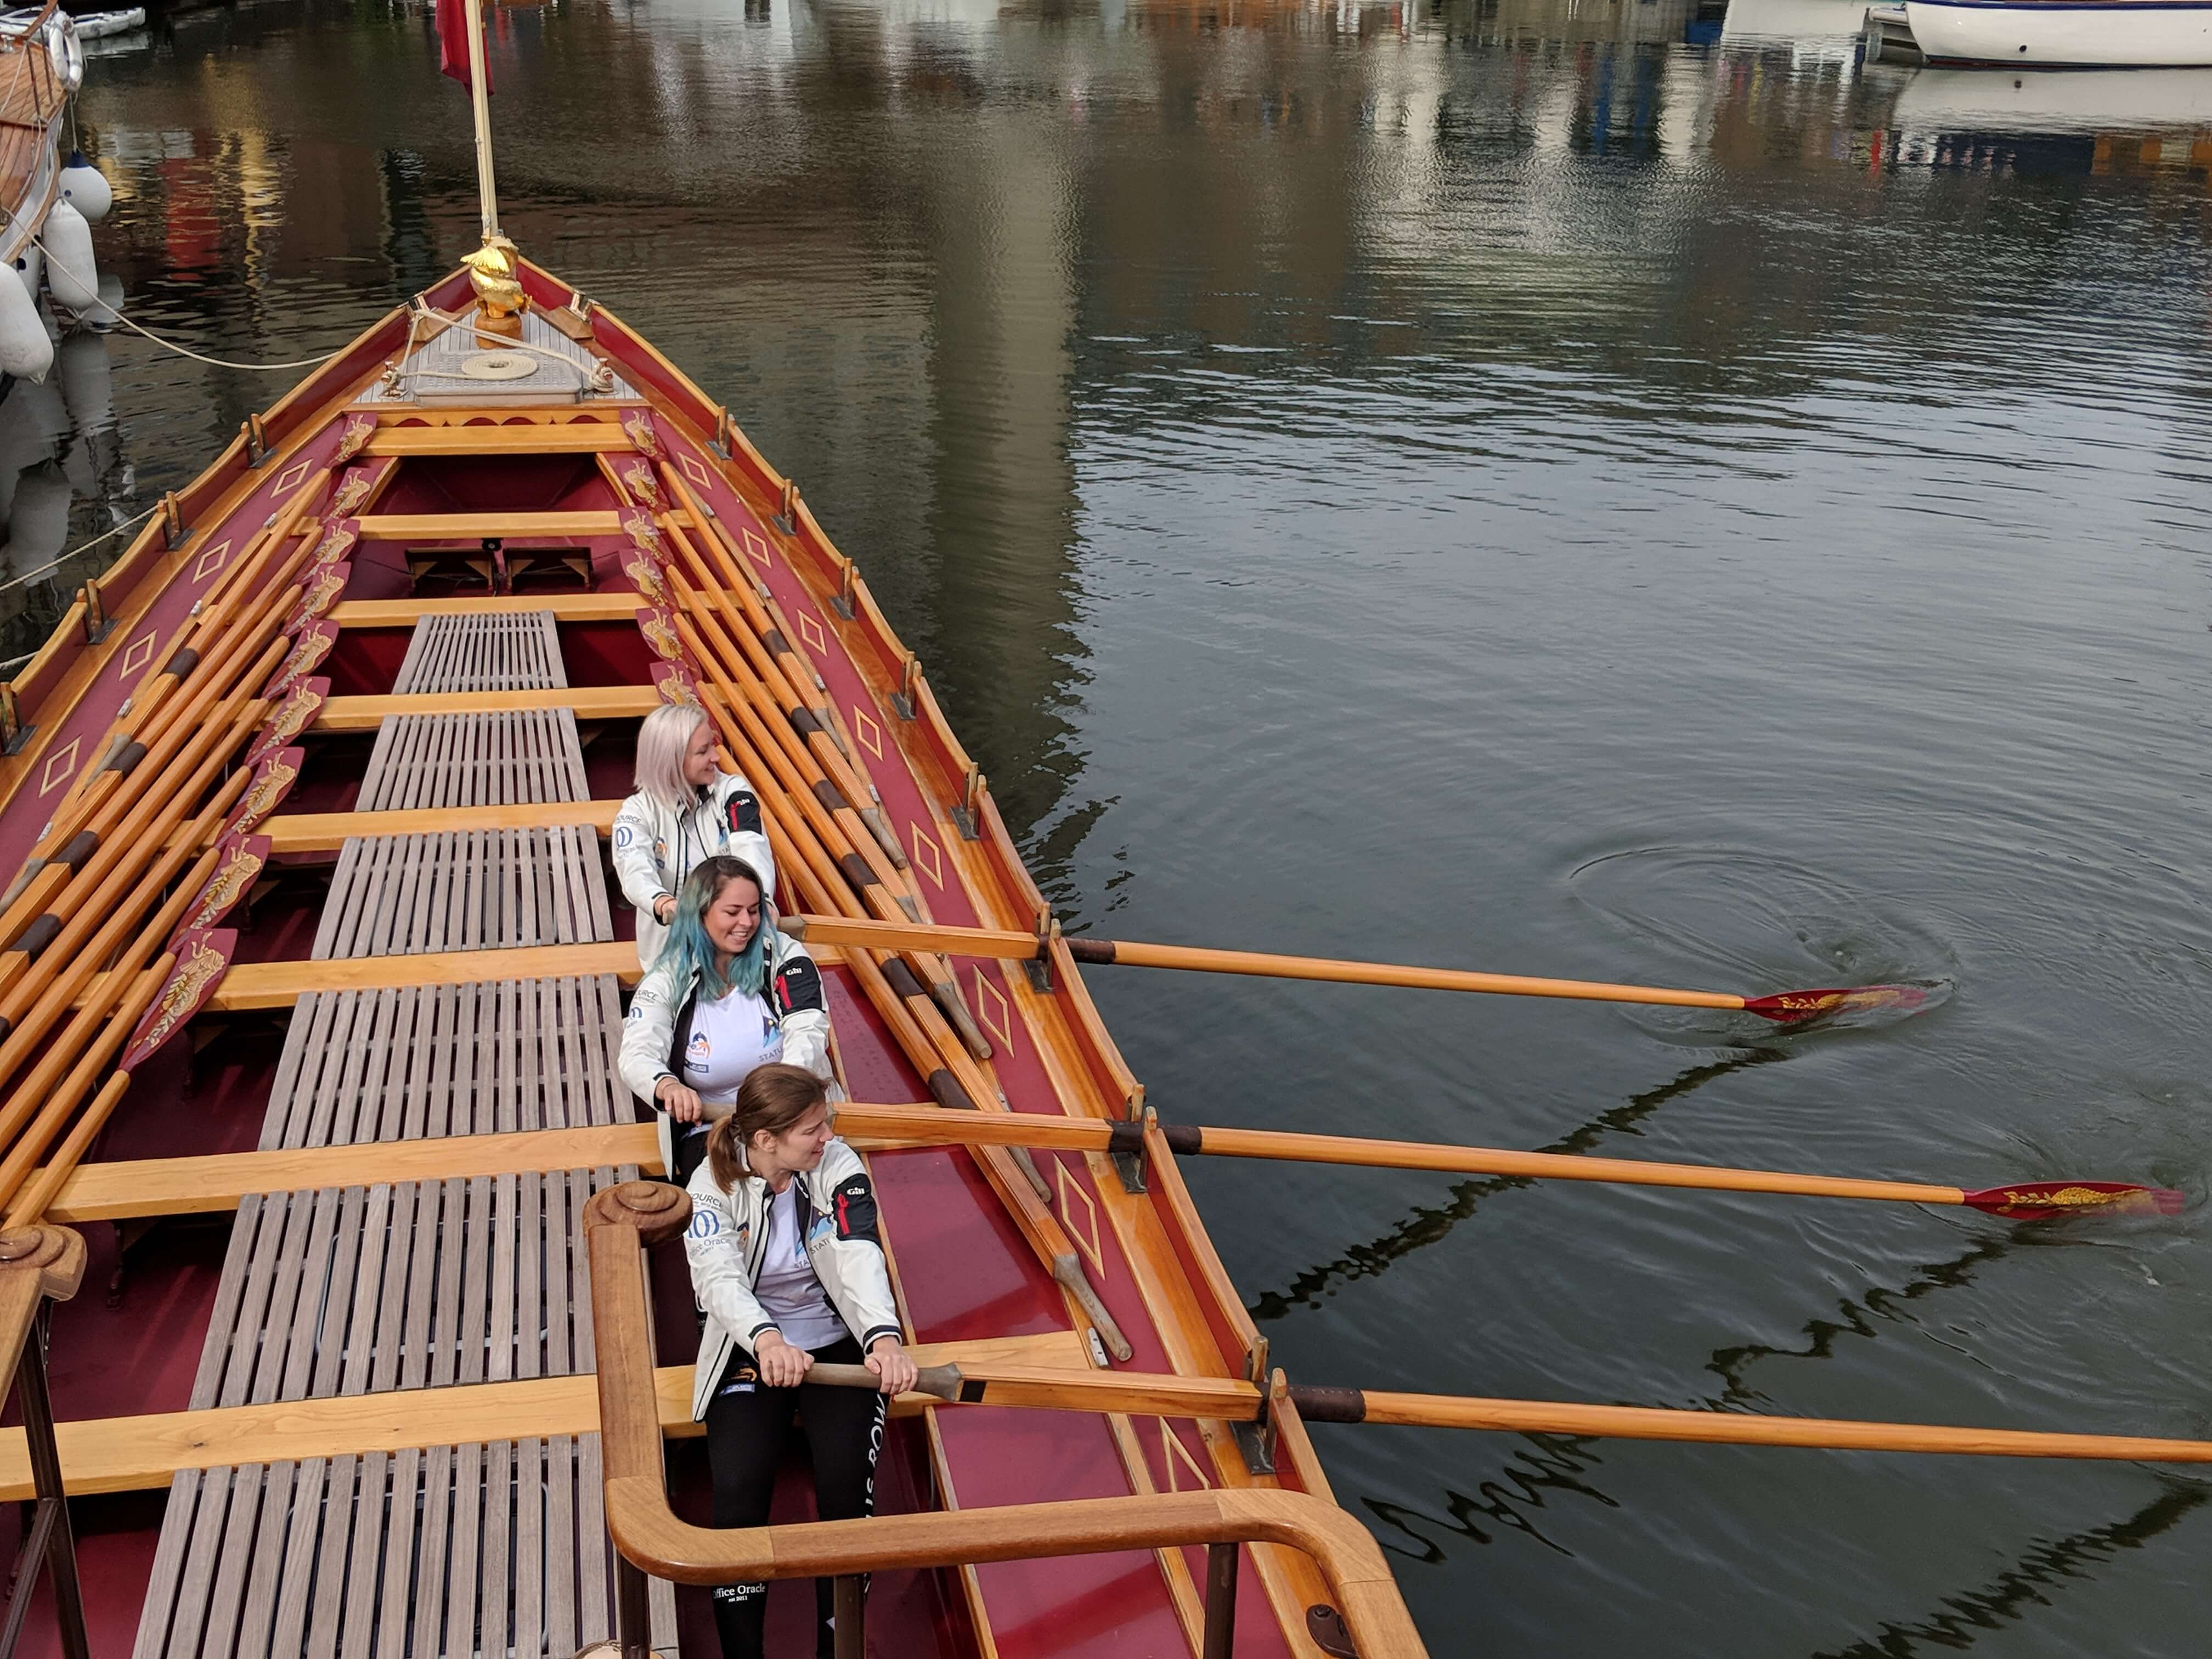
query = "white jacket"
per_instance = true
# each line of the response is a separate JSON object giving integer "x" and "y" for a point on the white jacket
{"x": 728, "y": 1235}
{"x": 657, "y": 845}
{"x": 658, "y": 1027}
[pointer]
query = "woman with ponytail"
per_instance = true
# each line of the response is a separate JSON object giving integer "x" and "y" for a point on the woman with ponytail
{"x": 789, "y": 1269}
{"x": 727, "y": 993}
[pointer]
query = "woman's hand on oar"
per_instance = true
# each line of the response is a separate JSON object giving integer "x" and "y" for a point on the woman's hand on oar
{"x": 2028, "y": 1201}
{"x": 1785, "y": 1007}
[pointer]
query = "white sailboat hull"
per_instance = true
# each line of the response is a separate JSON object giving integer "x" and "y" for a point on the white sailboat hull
{"x": 2064, "y": 33}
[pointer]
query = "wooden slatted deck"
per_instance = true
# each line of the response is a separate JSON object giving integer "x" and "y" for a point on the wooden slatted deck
{"x": 519, "y": 651}
{"x": 474, "y": 760}
{"x": 465, "y": 891}
{"x": 492, "y": 1549}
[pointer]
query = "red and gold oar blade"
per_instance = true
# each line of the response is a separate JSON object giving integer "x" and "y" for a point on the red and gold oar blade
{"x": 1795, "y": 1007}
{"x": 2046, "y": 1200}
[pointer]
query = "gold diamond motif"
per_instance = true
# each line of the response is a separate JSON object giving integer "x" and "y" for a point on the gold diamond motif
{"x": 925, "y": 854}
{"x": 757, "y": 550}
{"x": 1070, "y": 1191}
{"x": 811, "y": 631}
{"x": 693, "y": 468}
{"x": 60, "y": 767}
{"x": 1172, "y": 1452}
{"x": 989, "y": 996}
{"x": 135, "y": 658}
{"x": 211, "y": 560}
{"x": 870, "y": 734}
{"x": 289, "y": 478}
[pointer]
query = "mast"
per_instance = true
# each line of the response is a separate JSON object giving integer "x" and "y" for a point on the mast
{"x": 480, "y": 98}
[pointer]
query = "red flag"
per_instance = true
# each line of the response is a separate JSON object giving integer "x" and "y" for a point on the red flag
{"x": 453, "y": 43}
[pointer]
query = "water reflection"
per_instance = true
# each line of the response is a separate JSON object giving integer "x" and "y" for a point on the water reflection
{"x": 1432, "y": 1223}
{"x": 62, "y": 469}
{"x": 2024, "y": 1589}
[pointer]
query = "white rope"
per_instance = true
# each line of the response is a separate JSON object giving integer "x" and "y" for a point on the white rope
{"x": 17, "y": 581}
{"x": 185, "y": 351}
{"x": 594, "y": 373}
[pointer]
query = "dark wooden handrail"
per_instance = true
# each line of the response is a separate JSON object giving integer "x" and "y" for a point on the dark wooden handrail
{"x": 620, "y": 1222}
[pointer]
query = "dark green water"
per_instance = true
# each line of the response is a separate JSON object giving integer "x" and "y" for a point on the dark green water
{"x": 1576, "y": 489}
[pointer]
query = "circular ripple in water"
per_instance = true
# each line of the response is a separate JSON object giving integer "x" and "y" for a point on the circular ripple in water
{"x": 1724, "y": 919}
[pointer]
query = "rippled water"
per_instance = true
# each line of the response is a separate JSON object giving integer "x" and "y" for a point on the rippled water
{"x": 1604, "y": 489}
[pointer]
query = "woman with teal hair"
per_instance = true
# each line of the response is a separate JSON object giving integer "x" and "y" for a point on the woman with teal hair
{"x": 727, "y": 993}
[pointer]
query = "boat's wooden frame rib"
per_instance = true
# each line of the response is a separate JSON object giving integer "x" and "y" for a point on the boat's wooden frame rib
{"x": 1211, "y": 1345}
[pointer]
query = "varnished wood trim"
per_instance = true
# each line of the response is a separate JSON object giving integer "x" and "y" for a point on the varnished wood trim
{"x": 565, "y": 607}
{"x": 591, "y": 702}
{"x": 531, "y": 438}
{"x": 137, "y": 1454}
{"x": 184, "y": 1185}
{"x": 326, "y": 832}
{"x": 471, "y": 527}
{"x": 280, "y": 984}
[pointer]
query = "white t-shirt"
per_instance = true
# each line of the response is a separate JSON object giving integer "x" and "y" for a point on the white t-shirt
{"x": 787, "y": 1290}
{"x": 728, "y": 1039}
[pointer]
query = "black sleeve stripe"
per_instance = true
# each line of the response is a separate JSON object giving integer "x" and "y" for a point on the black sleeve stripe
{"x": 744, "y": 810}
{"x": 799, "y": 986}
{"x": 855, "y": 1205}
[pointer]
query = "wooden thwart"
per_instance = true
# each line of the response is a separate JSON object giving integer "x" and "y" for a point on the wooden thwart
{"x": 477, "y": 526}
{"x": 561, "y": 607}
{"x": 597, "y": 703}
{"x": 327, "y": 832}
{"x": 137, "y": 1454}
{"x": 532, "y": 438}
{"x": 184, "y": 1186}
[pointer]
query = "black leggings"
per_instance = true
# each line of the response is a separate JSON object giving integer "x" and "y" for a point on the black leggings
{"x": 746, "y": 1435}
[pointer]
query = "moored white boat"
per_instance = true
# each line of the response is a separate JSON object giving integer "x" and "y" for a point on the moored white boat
{"x": 2063, "y": 33}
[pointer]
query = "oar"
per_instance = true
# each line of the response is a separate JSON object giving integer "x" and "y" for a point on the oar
{"x": 1233, "y": 1400}
{"x": 1785, "y": 1007}
{"x": 2022, "y": 1200}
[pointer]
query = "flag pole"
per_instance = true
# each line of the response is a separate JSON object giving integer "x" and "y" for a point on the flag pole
{"x": 480, "y": 97}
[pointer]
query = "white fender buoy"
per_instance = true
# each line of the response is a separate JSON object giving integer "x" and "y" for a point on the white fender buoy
{"x": 85, "y": 188}
{"x": 31, "y": 266}
{"x": 26, "y": 352}
{"x": 72, "y": 274}
{"x": 88, "y": 387}
{"x": 110, "y": 307}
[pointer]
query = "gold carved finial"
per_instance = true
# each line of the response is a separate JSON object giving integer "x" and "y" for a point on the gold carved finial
{"x": 491, "y": 273}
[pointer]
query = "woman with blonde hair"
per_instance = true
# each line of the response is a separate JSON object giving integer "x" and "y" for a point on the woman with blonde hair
{"x": 728, "y": 993}
{"x": 686, "y": 808}
{"x": 788, "y": 1265}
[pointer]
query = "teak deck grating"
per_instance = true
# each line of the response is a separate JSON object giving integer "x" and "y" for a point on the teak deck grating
{"x": 474, "y": 760}
{"x": 492, "y": 1550}
{"x": 513, "y": 651}
{"x": 464, "y": 891}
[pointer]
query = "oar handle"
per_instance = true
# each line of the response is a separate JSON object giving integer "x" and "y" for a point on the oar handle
{"x": 941, "y": 1380}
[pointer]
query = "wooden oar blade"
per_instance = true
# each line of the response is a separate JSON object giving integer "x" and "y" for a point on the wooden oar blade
{"x": 1795, "y": 1007}
{"x": 2048, "y": 1200}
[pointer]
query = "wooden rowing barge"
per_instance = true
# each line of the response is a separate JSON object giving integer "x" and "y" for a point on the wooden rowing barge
{"x": 308, "y": 1006}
